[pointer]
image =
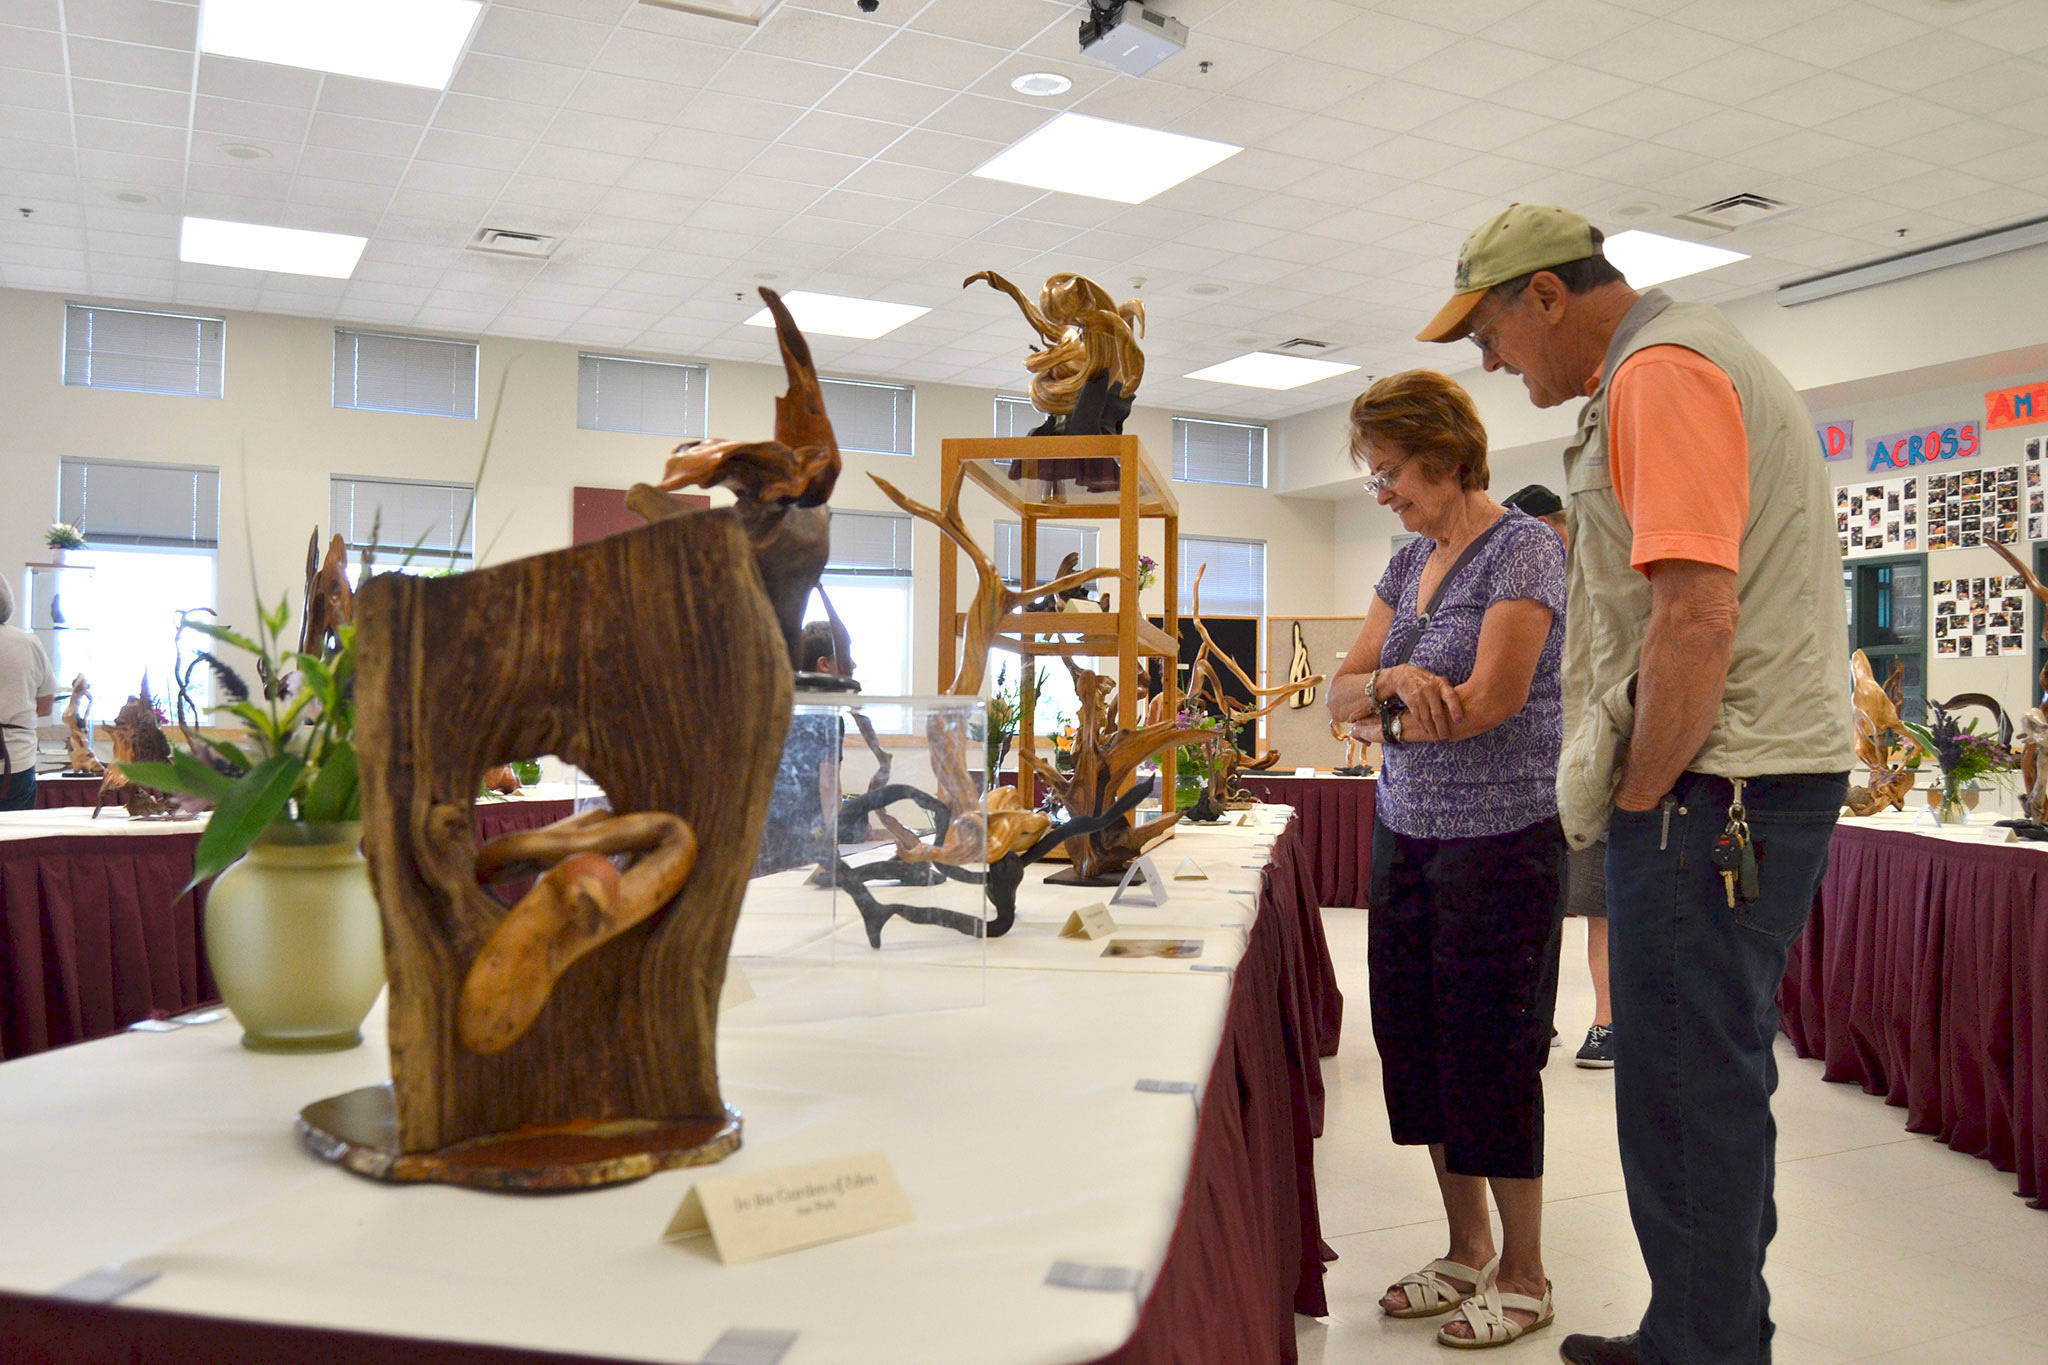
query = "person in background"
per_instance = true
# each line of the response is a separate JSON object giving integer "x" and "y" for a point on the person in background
{"x": 1455, "y": 672}
{"x": 1585, "y": 877}
{"x": 1710, "y": 737}
{"x": 28, "y": 689}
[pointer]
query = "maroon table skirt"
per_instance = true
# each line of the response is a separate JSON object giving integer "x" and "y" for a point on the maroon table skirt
{"x": 1923, "y": 977}
{"x": 1336, "y": 814}
{"x": 95, "y": 934}
{"x": 53, "y": 791}
{"x": 1246, "y": 1255}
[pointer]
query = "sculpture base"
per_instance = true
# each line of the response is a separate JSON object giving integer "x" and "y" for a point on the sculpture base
{"x": 1071, "y": 876}
{"x": 359, "y": 1130}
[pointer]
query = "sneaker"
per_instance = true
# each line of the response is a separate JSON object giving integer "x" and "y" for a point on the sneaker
{"x": 1597, "y": 1053}
{"x": 1553, "y": 1038}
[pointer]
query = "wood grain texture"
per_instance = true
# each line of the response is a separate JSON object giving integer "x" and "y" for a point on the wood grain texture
{"x": 652, "y": 660}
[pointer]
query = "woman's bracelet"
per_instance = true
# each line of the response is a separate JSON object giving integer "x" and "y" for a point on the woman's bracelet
{"x": 1372, "y": 691}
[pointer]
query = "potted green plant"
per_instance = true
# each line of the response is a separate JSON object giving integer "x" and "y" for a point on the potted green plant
{"x": 61, "y": 537}
{"x": 293, "y": 934}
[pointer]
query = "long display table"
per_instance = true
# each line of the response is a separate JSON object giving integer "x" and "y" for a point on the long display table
{"x": 1923, "y": 977}
{"x": 1019, "y": 1129}
{"x": 1336, "y": 814}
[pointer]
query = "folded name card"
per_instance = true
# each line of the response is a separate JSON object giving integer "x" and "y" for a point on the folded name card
{"x": 1090, "y": 921}
{"x": 1304, "y": 772}
{"x": 1245, "y": 819}
{"x": 1140, "y": 876}
{"x": 767, "y": 1213}
{"x": 1190, "y": 871}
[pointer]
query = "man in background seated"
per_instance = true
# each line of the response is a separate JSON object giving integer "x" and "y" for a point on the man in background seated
{"x": 28, "y": 689}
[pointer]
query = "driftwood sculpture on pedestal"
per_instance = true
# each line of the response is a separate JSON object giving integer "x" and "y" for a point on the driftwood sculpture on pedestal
{"x": 79, "y": 759}
{"x": 2032, "y": 729}
{"x": 1086, "y": 374}
{"x": 1205, "y": 689}
{"x": 1892, "y": 769}
{"x": 569, "y": 1040}
{"x": 137, "y": 738}
{"x": 780, "y": 487}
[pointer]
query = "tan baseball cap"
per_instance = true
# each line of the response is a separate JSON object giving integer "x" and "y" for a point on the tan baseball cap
{"x": 1519, "y": 240}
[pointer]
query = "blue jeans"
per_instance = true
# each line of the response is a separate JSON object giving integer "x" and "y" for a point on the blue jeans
{"x": 18, "y": 790}
{"x": 1695, "y": 1014}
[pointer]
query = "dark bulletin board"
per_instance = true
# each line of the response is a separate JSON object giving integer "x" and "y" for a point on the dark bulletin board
{"x": 598, "y": 512}
{"x": 1237, "y": 636}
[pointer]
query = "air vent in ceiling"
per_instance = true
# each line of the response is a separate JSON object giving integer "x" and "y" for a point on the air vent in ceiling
{"x": 533, "y": 246}
{"x": 1301, "y": 346}
{"x": 1736, "y": 211}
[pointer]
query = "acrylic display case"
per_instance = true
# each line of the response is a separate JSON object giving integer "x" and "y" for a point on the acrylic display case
{"x": 868, "y": 895}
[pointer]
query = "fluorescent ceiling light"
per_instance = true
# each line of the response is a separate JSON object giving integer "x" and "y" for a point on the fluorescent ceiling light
{"x": 257, "y": 246}
{"x": 1264, "y": 370}
{"x": 1647, "y": 258}
{"x": 1977, "y": 247}
{"x": 1076, "y": 154}
{"x": 837, "y": 316}
{"x": 408, "y": 42}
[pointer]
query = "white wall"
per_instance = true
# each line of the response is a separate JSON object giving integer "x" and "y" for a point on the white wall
{"x": 277, "y": 439}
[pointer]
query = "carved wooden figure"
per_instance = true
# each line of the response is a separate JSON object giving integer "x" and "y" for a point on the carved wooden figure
{"x": 2033, "y": 722}
{"x": 80, "y": 761}
{"x": 137, "y": 738}
{"x": 569, "y": 1040}
{"x": 1877, "y": 717}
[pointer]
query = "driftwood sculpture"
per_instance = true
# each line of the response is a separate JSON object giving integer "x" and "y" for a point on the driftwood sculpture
{"x": 80, "y": 761}
{"x": 2032, "y": 727}
{"x": 1084, "y": 376}
{"x": 1298, "y": 673}
{"x": 1105, "y": 758}
{"x": 330, "y": 602}
{"x": 1877, "y": 717}
{"x": 1205, "y": 689}
{"x": 137, "y": 738}
{"x": 781, "y": 487}
{"x": 569, "y": 1040}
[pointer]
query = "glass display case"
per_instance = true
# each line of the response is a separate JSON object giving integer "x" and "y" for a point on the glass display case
{"x": 869, "y": 892}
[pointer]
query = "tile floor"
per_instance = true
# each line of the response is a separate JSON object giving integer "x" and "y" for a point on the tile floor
{"x": 1890, "y": 1247}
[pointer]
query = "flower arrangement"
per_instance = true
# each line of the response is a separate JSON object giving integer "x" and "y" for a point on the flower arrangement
{"x": 62, "y": 535}
{"x": 1964, "y": 755}
{"x": 1005, "y": 708}
{"x": 1148, "y": 572}
{"x": 1196, "y": 763}
{"x": 1063, "y": 741}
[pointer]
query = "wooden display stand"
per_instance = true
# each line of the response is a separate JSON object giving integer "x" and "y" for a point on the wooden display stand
{"x": 1141, "y": 493}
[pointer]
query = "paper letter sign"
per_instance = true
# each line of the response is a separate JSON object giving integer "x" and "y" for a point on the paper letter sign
{"x": 767, "y": 1213}
{"x": 2016, "y": 407}
{"x": 1090, "y": 921}
{"x": 1837, "y": 439}
{"x": 1949, "y": 441}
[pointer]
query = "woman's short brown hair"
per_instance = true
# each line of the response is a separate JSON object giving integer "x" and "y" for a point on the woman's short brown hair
{"x": 1427, "y": 417}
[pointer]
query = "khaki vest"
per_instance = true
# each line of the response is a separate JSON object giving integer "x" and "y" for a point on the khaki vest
{"x": 1786, "y": 708}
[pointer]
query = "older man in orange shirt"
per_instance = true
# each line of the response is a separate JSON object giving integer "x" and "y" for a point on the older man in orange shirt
{"x": 1707, "y": 733}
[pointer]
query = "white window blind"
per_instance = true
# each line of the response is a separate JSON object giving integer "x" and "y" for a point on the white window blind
{"x": 623, "y": 393}
{"x": 384, "y": 372}
{"x": 1219, "y": 452}
{"x": 1016, "y": 416}
{"x": 143, "y": 352}
{"x": 870, "y": 543}
{"x": 124, "y": 502}
{"x": 1054, "y": 544}
{"x": 1236, "y": 582}
{"x": 878, "y": 418}
{"x": 431, "y": 524}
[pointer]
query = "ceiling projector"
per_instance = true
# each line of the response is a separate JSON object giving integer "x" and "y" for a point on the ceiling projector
{"x": 1130, "y": 37}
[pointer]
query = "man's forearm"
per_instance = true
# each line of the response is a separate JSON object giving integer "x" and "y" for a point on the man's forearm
{"x": 1679, "y": 683}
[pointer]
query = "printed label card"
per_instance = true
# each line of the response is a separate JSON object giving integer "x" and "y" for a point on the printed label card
{"x": 1090, "y": 921}
{"x": 1189, "y": 871}
{"x": 1141, "y": 878}
{"x": 767, "y": 1213}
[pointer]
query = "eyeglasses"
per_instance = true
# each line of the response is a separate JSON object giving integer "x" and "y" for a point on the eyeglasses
{"x": 1480, "y": 333}
{"x": 1383, "y": 481}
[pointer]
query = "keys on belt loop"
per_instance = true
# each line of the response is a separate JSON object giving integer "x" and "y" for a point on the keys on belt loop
{"x": 1734, "y": 855}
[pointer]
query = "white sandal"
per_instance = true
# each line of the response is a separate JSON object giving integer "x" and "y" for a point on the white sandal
{"x": 1485, "y": 1313}
{"x": 1431, "y": 1292}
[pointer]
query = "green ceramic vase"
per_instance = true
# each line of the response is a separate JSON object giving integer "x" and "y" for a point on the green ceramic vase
{"x": 295, "y": 941}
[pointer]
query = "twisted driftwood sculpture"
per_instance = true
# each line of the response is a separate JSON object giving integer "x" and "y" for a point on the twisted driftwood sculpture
{"x": 1298, "y": 672}
{"x": 1877, "y": 716}
{"x": 80, "y": 761}
{"x": 330, "y": 602}
{"x": 2033, "y": 724}
{"x": 1085, "y": 375}
{"x": 780, "y": 485}
{"x": 1205, "y": 686}
{"x": 570, "y": 1040}
{"x": 137, "y": 738}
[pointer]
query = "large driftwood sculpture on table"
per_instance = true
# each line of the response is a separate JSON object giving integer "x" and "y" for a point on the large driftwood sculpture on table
{"x": 1084, "y": 376}
{"x": 1206, "y": 690}
{"x": 780, "y": 487}
{"x": 137, "y": 738}
{"x": 2032, "y": 726}
{"x": 1892, "y": 769}
{"x": 571, "y": 1039}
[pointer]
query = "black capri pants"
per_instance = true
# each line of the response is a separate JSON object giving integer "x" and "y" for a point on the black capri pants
{"x": 1460, "y": 934}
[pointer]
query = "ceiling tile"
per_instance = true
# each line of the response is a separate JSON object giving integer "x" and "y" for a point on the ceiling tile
{"x": 732, "y": 114}
{"x": 129, "y": 63}
{"x": 510, "y": 78}
{"x": 1928, "y": 62}
{"x": 1838, "y": 37}
{"x": 37, "y": 49}
{"x": 1739, "y": 75}
{"x": 601, "y": 133}
{"x": 782, "y": 80}
{"x": 628, "y": 97}
{"x": 507, "y": 32}
{"x": 837, "y": 133}
{"x": 828, "y": 39}
{"x": 944, "y": 62}
{"x": 1654, "y": 52}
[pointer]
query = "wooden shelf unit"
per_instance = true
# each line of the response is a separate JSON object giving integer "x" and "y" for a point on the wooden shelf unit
{"x": 1142, "y": 493}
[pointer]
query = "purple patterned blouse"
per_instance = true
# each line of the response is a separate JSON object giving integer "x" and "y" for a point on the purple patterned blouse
{"x": 1505, "y": 779}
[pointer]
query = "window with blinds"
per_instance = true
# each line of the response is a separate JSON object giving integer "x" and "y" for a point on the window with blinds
{"x": 1016, "y": 416}
{"x": 624, "y": 393}
{"x": 143, "y": 352}
{"x": 126, "y": 502}
{"x": 1219, "y": 452}
{"x": 386, "y": 372}
{"x": 1236, "y": 582}
{"x": 1054, "y": 544}
{"x": 403, "y": 523}
{"x": 877, "y": 418}
{"x": 875, "y": 543}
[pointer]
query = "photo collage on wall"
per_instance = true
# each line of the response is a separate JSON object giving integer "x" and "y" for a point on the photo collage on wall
{"x": 2033, "y": 492}
{"x": 1974, "y": 508}
{"x": 1879, "y": 518}
{"x": 1980, "y": 618}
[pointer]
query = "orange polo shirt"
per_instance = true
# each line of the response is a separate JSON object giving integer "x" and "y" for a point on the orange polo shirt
{"x": 1679, "y": 457}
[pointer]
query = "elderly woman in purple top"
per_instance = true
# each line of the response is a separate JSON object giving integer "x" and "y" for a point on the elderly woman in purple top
{"x": 1456, "y": 673}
